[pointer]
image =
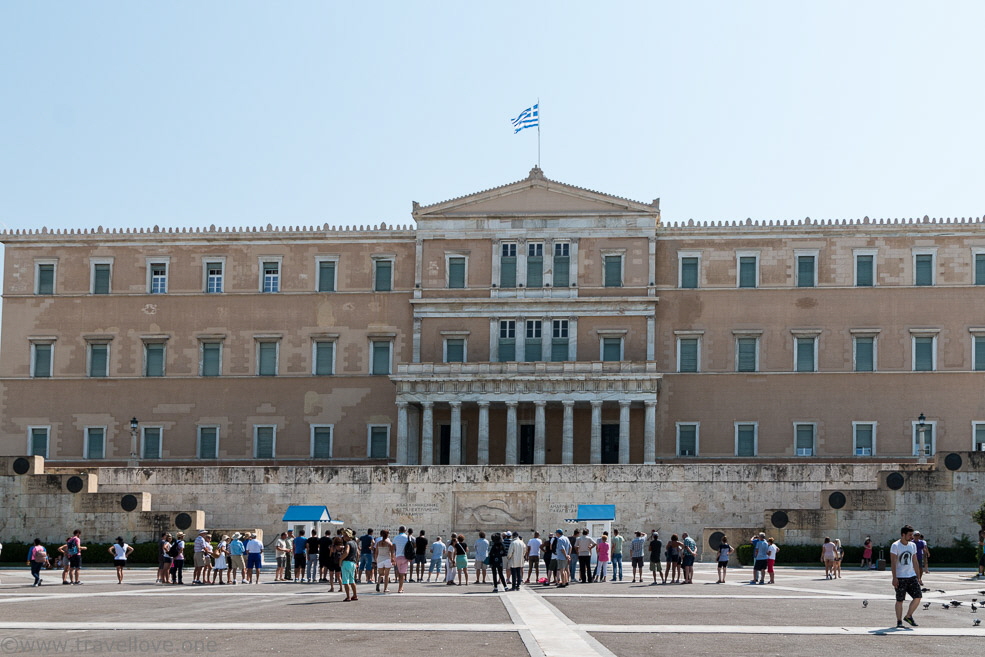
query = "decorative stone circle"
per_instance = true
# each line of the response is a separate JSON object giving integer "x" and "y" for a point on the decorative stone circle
{"x": 129, "y": 502}
{"x": 182, "y": 521}
{"x": 74, "y": 484}
{"x": 779, "y": 519}
{"x": 21, "y": 465}
{"x": 837, "y": 499}
{"x": 895, "y": 481}
{"x": 715, "y": 540}
{"x": 953, "y": 461}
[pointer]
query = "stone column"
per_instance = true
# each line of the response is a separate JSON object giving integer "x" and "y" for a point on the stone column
{"x": 596, "y": 444}
{"x": 427, "y": 433}
{"x": 651, "y": 337}
{"x": 510, "y": 433}
{"x": 455, "y": 446}
{"x": 483, "y": 456}
{"x": 416, "y": 341}
{"x": 401, "y": 433}
{"x": 540, "y": 449}
{"x": 572, "y": 338}
{"x": 623, "y": 432}
{"x": 568, "y": 433}
{"x": 546, "y": 338}
{"x": 650, "y": 432}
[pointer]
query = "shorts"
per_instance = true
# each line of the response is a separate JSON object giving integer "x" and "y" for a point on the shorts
{"x": 436, "y": 566}
{"x": 384, "y": 563}
{"x": 654, "y": 566}
{"x": 561, "y": 563}
{"x": 638, "y": 562}
{"x": 365, "y": 562}
{"x": 769, "y": 565}
{"x": 402, "y": 565}
{"x": 75, "y": 561}
{"x": 165, "y": 561}
{"x": 723, "y": 564}
{"x": 533, "y": 560}
{"x": 300, "y": 559}
{"x": 461, "y": 561}
{"x": 199, "y": 559}
{"x": 481, "y": 565}
{"x": 552, "y": 566}
{"x": 334, "y": 566}
{"x": 281, "y": 562}
{"x": 239, "y": 563}
{"x": 907, "y": 585}
{"x": 420, "y": 558}
{"x": 119, "y": 563}
{"x": 760, "y": 564}
{"x": 253, "y": 560}
{"x": 981, "y": 560}
{"x": 687, "y": 561}
{"x": 348, "y": 572}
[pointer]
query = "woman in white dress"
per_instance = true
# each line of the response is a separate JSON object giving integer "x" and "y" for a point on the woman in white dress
{"x": 221, "y": 559}
{"x": 383, "y": 552}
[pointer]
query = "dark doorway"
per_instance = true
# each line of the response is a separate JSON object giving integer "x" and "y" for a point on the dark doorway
{"x": 444, "y": 449}
{"x": 526, "y": 455}
{"x": 610, "y": 443}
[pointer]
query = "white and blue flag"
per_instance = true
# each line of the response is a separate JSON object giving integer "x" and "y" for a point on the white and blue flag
{"x": 529, "y": 118}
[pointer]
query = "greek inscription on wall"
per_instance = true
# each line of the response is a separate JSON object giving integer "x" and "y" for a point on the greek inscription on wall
{"x": 416, "y": 509}
{"x": 559, "y": 507}
{"x": 505, "y": 510}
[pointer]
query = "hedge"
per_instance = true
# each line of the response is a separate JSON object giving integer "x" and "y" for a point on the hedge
{"x": 808, "y": 554}
{"x": 143, "y": 553}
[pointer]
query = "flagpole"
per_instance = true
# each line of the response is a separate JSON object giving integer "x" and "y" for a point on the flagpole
{"x": 538, "y": 132}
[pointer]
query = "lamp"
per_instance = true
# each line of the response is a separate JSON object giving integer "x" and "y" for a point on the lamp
{"x": 133, "y": 442}
{"x": 922, "y": 429}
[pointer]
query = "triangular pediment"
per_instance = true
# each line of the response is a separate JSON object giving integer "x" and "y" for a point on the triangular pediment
{"x": 534, "y": 195}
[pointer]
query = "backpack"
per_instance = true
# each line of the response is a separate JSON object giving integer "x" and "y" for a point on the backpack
{"x": 410, "y": 550}
{"x": 73, "y": 548}
{"x": 175, "y": 549}
{"x": 40, "y": 556}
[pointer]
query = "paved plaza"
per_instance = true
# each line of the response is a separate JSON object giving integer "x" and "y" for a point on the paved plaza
{"x": 801, "y": 614}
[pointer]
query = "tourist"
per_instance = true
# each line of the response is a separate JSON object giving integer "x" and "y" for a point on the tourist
{"x": 254, "y": 558}
{"x": 839, "y": 555}
{"x": 866, "y": 553}
{"x": 771, "y": 550}
{"x": 497, "y": 552}
{"x": 617, "y": 544}
{"x": 532, "y": 556}
{"x": 438, "y": 553}
{"x": 120, "y": 552}
{"x": 74, "y": 550}
{"x": 64, "y": 561}
{"x": 450, "y": 560}
{"x": 335, "y": 564}
{"x": 636, "y": 548}
{"x": 828, "y": 553}
{"x": 462, "y": 559}
{"x": 237, "y": 559}
{"x": 222, "y": 560}
{"x": 584, "y": 547}
{"x": 673, "y": 554}
{"x": 906, "y": 575}
{"x": 507, "y": 542}
{"x": 366, "y": 556}
{"x": 401, "y": 562}
{"x": 923, "y": 553}
{"x": 199, "y": 556}
{"x": 515, "y": 557}
{"x": 324, "y": 555}
{"x": 207, "y": 560}
{"x": 300, "y": 556}
{"x": 547, "y": 555}
{"x": 602, "y": 549}
{"x": 311, "y": 569}
{"x": 350, "y": 557}
{"x": 178, "y": 560}
{"x": 981, "y": 553}
{"x": 37, "y": 558}
{"x": 164, "y": 559}
{"x": 420, "y": 555}
{"x": 724, "y": 552}
{"x": 280, "y": 548}
{"x": 562, "y": 555}
{"x": 481, "y": 559}
{"x": 384, "y": 553}
{"x": 690, "y": 551}
{"x": 760, "y": 558}
{"x": 573, "y": 566}
{"x": 289, "y": 557}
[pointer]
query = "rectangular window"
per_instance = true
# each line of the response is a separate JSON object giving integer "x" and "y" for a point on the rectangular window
{"x": 559, "y": 340}
{"x": 326, "y": 276}
{"x": 98, "y": 359}
{"x": 456, "y": 272}
{"x": 507, "y": 340}
{"x": 95, "y": 440}
{"x": 689, "y": 272}
{"x": 745, "y": 439}
{"x": 804, "y": 437}
{"x": 532, "y": 345}
{"x": 923, "y": 269}
{"x": 923, "y": 353}
{"x": 507, "y": 265}
{"x": 611, "y": 349}
{"x": 213, "y": 277}
{"x": 379, "y": 442}
{"x": 748, "y": 274}
{"x": 455, "y": 350}
{"x": 562, "y": 264}
{"x": 151, "y": 447}
{"x": 158, "y": 278}
{"x": 864, "y": 270}
{"x": 324, "y": 358}
{"x": 979, "y": 349}
{"x": 41, "y": 360}
{"x": 687, "y": 439}
{"x": 264, "y": 441}
{"x": 978, "y": 436}
{"x": 101, "y": 278}
{"x": 382, "y": 275}
{"x": 865, "y": 354}
{"x": 535, "y": 264}
{"x": 45, "y": 277}
{"x": 805, "y": 355}
{"x": 687, "y": 354}
{"x": 271, "y": 276}
{"x": 806, "y": 272}
{"x": 380, "y": 357}
{"x": 613, "y": 271}
{"x": 39, "y": 441}
{"x": 747, "y": 354}
{"x": 267, "y": 358}
{"x": 154, "y": 358}
{"x": 208, "y": 442}
{"x": 321, "y": 442}
{"x": 864, "y": 438}
{"x": 980, "y": 269}
{"x": 211, "y": 358}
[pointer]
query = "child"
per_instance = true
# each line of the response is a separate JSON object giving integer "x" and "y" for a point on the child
{"x": 724, "y": 551}
{"x": 771, "y": 551}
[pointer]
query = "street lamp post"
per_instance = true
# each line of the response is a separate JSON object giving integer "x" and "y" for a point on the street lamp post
{"x": 133, "y": 443}
{"x": 922, "y": 430}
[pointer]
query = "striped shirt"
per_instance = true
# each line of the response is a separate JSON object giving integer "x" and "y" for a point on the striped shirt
{"x": 637, "y": 547}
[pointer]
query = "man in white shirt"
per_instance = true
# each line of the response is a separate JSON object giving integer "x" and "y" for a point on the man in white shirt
{"x": 200, "y": 546}
{"x": 399, "y": 543}
{"x": 532, "y": 556}
{"x": 254, "y": 550}
{"x": 906, "y": 575}
{"x": 562, "y": 554}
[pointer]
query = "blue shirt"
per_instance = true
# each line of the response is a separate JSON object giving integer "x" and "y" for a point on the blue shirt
{"x": 236, "y": 547}
{"x": 299, "y": 544}
{"x": 481, "y": 549}
{"x": 762, "y": 550}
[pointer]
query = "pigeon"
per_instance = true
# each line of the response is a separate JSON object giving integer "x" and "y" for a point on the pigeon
{"x": 982, "y": 592}
{"x": 945, "y": 606}
{"x": 940, "y": 591}
{"x": 973, "y": 608}
{"x": 977, "y": 622}
{"x": 925, "y": 589}
{"x": 955, "y": 603}
{"x": 865, "y": 603}
{"x": 926, "y": 605}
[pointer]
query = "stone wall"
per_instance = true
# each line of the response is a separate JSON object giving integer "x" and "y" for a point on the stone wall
{"x": 795, "y": 501}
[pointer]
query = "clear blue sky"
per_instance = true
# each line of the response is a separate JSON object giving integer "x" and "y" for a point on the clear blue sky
{"x": 244, "y": 113}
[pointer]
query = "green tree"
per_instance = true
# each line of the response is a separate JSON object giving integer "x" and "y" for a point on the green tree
{"x": 979, "y": 516}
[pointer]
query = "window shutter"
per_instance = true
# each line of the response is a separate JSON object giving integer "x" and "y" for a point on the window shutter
{"x": 378, "y": 443}
{"x": 863, "y": 439}
{"x": 381, "y": 357}
{"x": 923, "y": 354}
{"x": 155, "y": 359}
{"x": 456, "y": 272}
{"x": 805, "y": 440}
{"x": 980, "y": 269}
{"x": 689, "y": 355}
{"x": 687, "y": 439}
{"x": 689, "y": 273}
{"x": 323, "y": 443}
{"x": 100, "y": 283}
{"x": 384, "y": 270}
{"x": 46, "y": 279}
{"x": 39, "y": 442}
{"x": 979, "y": 353}
{"x": 326, "y": 277}
{"x": 455, "y": 350}
{"x": 507, "y": 271}
{"x": 611, "y": 348}
{"x": 324, "y": 352}
{"x": 152, "y": 443}
{"x": 747, "y": 354}
{"x": 746, "y": 440}
{"x": 747, "y": 271}
{"x": 925, "y": 269}
{"x": 613, "y": 271}
{"x": 562, "y": 266}
{"x": 98, "y": 359}
{"x": 265, "y": 443}
{"x": 211, "y": 358}
{"x": 864, "y": 354}
{"x": 532, "y": 350}
{"x": 96, "y": 447}
{"x": 208, "y": 443}
{"x": 268, "y": 359}
{"x": 805, "y": 271}
{"x": 507, "y": 350}
{"x": 863, "y": 271}
{"x": 805, "y": 354}
{"x": 559, "y": 350}
{"x": 979, "y": 436}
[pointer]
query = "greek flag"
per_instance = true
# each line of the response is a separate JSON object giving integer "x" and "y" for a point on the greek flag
{"x": 529, "y": 118}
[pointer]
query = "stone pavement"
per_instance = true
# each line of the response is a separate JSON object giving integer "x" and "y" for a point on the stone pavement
{"x": 802, "y": 614}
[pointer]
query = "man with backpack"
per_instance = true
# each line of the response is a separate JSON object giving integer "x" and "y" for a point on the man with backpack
{"x": 74, "y": 550}
{"x": 405, "y": 549}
